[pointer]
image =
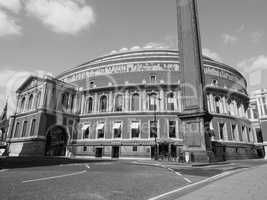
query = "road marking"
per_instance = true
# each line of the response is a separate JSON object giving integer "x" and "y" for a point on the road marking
{"x": 188, "y": 180}
{"x": 71, "y": 164}
{"x": 193, "y": 184}
{"x": 54, "y": 177}
{"x": 103, "y": 163}
{"x": 3, "y": 170}
{"x": 177, "y": 173}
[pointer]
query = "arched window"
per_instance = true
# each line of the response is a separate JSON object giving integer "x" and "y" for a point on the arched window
{"x": 71, "y": 102}
{"x": 89, "y": 105}
{"x": 152, "y": 101}
{"x": 33, "y": 127}
{"x": 214, "y": 82}
{"x": 118, "y": 103}
{"x": 135, "y": 102}
{"x": 64, "y": 100}
{"x": 22, "y": 104}
{"x": 24, "y": 129}
{"x": 29, "y": 106}
{"x": 218, "y": 105}
{"x": 38, "y": 99}
{"x": 170, "y": 101}
{"x": 103, "y": 104}
{"x": 16, "y": 134}
{"x": 86, "y": 133}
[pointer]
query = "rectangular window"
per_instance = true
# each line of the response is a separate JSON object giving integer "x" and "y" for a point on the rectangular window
{"x": 135, "y": 129}
{"x": 152, "y": 101}
{"x": 152, "y": 79}
{"x": 86, "y": 131}
{"x": 249, "y": 134}
{"x": 234, "y": 132}
{"x": 100, "y": 130}
{"x": 134, "y": 148}
{"x": 243, "y": 132}
{"x": 24, "y": 129}
{"x": 221, "y": 130}
{"x": 17, "y": 130}
{"x": 153, "y": 129}
{"x": 33, "y": 127}
{"x": 84, "y": 148}
{"x": 117, "y": 129}
{"x": 172, "y": 129}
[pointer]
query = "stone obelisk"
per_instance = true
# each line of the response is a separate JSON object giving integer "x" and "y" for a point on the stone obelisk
{"x": 195, "y": 118}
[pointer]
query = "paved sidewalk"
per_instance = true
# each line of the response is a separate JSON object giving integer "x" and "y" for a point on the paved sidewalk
{"x": 247, "y": 185}
{"x": 20, "y": 162}
{"x": 178, "y": 164}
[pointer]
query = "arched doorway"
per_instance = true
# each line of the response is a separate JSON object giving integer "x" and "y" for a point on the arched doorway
{"x": 56, "y": 141}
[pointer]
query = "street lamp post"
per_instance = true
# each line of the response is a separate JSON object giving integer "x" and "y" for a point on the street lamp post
{"x": 155, "y": 128}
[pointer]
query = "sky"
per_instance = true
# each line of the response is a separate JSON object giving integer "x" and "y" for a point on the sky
{"x": 49, "y": 36}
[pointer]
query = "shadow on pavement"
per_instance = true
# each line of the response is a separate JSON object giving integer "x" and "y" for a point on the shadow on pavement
{"x": 20, "y": 162}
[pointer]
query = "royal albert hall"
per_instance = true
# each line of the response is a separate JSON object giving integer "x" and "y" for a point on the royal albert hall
{"x": 127, "y": 105}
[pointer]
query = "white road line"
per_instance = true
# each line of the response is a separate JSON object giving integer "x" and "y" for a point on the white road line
{"x": 193, "y": 184}
{"x": 3, "y": 170}
{"x": 170, "y": 169}
{"x": 54, "y": 177}
{"x": 188, "y": 180}
{"x": 177, "y": 173}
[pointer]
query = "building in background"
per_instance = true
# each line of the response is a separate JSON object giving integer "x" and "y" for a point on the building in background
{"x": 126, "y": 105}
{"x": 257, "y": 113}
{"x": 3, "y": 129}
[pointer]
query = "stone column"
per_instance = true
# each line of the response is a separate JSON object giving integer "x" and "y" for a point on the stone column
{"x": 208, "y": 102}
{"x": 144, "y": 100}
{"x": 262, "y": 106}
{"x": 179, "y": 98}
{"x": 95, "y": 104}
{"x": 26, "y": 103}
{"x": 162, "y": 100}
{"x": 75, "y": 101}
{"x": 212, "y": 106}
{"x": 254, "y": 135}
{"x": 82, "y": 103}
{"x": 126, "y": 100}
{"x": 70, "y": 101}
{"x": 259, "y": 107}
{"x": 235, "y": 108}
{"x": 225, "y": 105}
{"x": 110, "y": 101}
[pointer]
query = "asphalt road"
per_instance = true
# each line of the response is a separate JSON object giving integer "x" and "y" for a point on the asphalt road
{"x": 106, "y": 180}
{"x": 103, "y": 180}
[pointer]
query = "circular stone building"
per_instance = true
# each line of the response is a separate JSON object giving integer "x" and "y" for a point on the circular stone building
{"x": 126, "y": 105}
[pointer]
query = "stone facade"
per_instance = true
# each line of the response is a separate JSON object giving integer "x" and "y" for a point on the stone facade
{"x": 257, "y": 114}
{"x": 123, "y": 104}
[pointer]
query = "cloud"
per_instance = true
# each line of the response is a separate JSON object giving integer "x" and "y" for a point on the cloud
{"x": 254, "y": 68}
{"x": 256, "y": 37}
{"x": 229, "y": 39}
{"x": 156, "y": 45}
{"x": 213, "y": 55}
{"x": 241, "y": 28}
{"x": 62, "y": 16}
{"x": 10, "y": 80}
{"x": 8, "y": 25}
{"x": 11, "y": 5}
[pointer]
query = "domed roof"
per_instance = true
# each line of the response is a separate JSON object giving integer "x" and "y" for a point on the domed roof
{"x": 137, "y": 54}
